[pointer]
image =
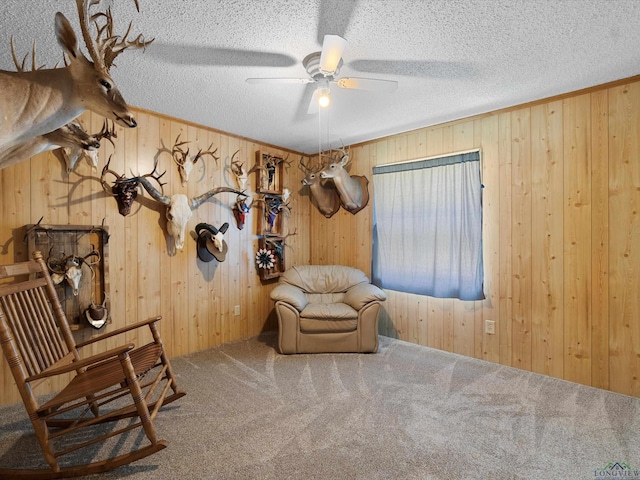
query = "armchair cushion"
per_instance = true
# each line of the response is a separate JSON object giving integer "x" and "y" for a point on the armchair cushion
{"x": 363, "y": 293}
{"x": 291, "y": 295}
{"x": 323, "y": 278}
{"x": 328, "y": 311}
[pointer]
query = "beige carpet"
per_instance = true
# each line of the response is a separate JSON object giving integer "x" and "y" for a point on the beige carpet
{"x": 407, "y": 412}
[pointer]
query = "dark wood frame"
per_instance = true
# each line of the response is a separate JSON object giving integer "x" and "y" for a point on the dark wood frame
{"x": 275, "y": 187}
{"x": 76, "y": 239}
{"x": 263, "y": 224}
{"x": 280, "y": 263}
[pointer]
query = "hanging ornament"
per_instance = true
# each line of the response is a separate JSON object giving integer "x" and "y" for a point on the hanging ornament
{"x": 265, "y": 258}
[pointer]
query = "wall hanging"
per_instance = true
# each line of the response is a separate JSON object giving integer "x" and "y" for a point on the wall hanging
{"x": 81, "y": 251}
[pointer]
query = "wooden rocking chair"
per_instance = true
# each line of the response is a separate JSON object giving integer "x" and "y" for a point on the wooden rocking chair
{"x": 38, "y": 345}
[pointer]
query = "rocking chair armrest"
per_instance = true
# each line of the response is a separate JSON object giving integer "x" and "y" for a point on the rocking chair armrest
{"x": 69, "y": 367}
{"x": 119, "y": 331}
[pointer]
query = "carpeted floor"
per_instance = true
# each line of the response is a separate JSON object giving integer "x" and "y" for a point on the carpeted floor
{"x": 407, "y": 412}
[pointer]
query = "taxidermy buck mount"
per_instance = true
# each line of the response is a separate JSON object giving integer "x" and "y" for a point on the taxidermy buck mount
{"x": 70, "y": 136}
{"x": 323, "y": 196}
{"x": 35, "y": 103}
{"x": 179, "y": 207}
{"x": 352, "y": 190}
{"x": 71, "y": 154}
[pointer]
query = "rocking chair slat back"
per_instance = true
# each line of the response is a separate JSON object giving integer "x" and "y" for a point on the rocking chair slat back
{"x": 27, "y": 314}
{"x": 104, "y": 388}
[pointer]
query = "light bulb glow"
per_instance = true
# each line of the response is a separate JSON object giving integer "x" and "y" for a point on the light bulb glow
{"x": 323, "y": 93}
{"x": 323, "y": 100}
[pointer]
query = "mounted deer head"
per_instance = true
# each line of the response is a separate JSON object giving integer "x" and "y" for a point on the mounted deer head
{"x": 324, "y": 197}
{"x": 69, "y": 267}
{"x": 179, "y": 207}
{"x": 352, "y": 191}
{"x": 71, "y": 135}
{"x": 186, "y": 163}
{"x": 37, "y": 102}
{"x": 73, "y": 153}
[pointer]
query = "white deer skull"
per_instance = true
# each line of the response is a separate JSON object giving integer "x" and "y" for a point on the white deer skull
{"x": 239, "y": 172}
{"x": 180, "y": 207}
{"x": 70, "y": 268}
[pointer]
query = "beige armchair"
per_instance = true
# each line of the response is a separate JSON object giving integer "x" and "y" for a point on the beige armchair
{"x": 327, "y": 308}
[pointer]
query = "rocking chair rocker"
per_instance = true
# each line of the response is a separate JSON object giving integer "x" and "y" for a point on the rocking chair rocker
{"x": 38, "y": 345}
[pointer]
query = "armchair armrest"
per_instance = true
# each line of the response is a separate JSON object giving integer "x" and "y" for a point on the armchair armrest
{"x": 69, "y": 367}
{"x": 291, "y": 295}
{"x": 119, "y": 331}
{"x": 361, "y": 294}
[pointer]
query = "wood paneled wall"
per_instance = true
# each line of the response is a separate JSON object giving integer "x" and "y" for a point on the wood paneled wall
{"x": 196, "y": 299}
{"x": 561, "y": 237}
{"x": 561, "y": 233}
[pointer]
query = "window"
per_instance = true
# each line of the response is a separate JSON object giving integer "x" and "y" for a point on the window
{"x": 427, "y": 227}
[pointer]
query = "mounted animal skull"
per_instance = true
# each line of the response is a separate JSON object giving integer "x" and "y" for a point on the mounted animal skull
{"x": 273, "y": 205}
{"x": 186, "y": 163}
{"x": 124, "y": 190}
{"x": 211, "y": 242}
{"x": 69, "y": 267}
{"x": 352, "y": 191}
{"x": 179, "y": 207}
{"x": 239, "y": 172}
{"x": 37, "y": 102}
{"x": 241, "y": 210}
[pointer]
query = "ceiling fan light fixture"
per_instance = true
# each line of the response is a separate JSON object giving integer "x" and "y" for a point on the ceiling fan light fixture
{"x": 324, "y": 98}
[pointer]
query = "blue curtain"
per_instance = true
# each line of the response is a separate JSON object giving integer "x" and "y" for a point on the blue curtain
{"x": 427, "y": 227}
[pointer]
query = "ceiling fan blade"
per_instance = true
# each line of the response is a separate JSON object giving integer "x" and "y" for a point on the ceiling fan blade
{"x": 280, "y": 80}
{"x": 334, "y": 17}
{"x": 192, "y": 54}
{"x": 416, "y": 68}
{"x": 370, "y": 84}
{"x": 313, "y": 103}
{"x": 332, "y": 48}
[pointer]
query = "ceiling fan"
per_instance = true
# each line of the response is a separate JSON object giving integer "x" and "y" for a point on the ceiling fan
{"x": 323, "y": 68}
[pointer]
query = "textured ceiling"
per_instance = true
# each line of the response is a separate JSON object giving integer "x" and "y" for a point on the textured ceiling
{"x": 451, "y": 58}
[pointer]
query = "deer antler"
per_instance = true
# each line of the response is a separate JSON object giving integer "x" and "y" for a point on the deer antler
{"x": 308, "y": 168}
{"x": 201, "y": 154}
{"x": 178, "y": 154}
{"x": 106, "y": 46}
{"x": 236, "y": 167}
{"x": 107, "y": 132}
{"x": 105, "y": 171}
{"x": 21, "y": 67}
{"x": 56, "y": 265}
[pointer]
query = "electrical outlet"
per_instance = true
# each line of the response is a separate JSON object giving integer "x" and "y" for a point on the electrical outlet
{"x": 490, "y": 327}
{"x": 236, "y": 310}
